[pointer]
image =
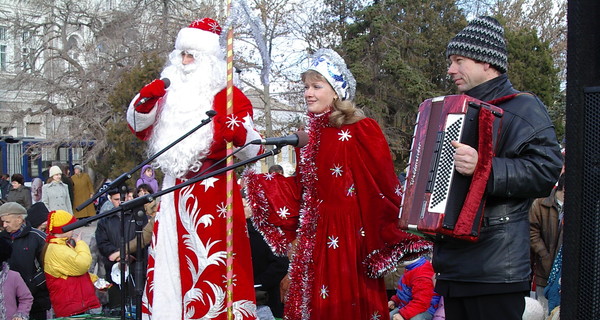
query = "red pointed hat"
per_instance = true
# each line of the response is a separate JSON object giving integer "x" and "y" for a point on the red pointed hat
{"x": 201, "y": 35}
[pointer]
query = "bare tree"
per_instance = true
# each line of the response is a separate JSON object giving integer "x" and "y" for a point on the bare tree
{"x": 70, "y": 55}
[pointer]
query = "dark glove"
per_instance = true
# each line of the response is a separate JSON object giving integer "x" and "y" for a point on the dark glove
{"x": 149, "y": 95}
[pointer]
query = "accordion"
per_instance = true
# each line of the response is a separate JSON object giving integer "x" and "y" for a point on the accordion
{"x": 437, "y": 199}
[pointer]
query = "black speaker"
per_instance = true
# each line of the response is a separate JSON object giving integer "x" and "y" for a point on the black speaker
{"x": 580, "y": 296}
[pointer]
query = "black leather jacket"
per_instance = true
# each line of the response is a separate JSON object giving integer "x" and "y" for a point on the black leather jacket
{"x": 526, "y": 166}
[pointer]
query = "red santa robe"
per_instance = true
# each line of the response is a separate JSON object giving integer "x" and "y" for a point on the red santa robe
{"x": 342, "y": 208}
{"x": 187, "y": 259}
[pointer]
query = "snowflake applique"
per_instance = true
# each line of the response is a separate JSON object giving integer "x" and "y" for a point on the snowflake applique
{"x": 214, "y": 27}
{"x": 283, "y": 213}
{"x": 361, "y": 231}
{"x": 344, "y": 135}
{"x": 222, "y": 209}
{"x": 398, "y": 190}
{"x": 351, "y": 191}
{"x": 233, "y": 279}
{"x": 333, "y": 242}
{"x": 269, "y": 176}
{"x": 381, "y": 195}
{"x": 232, "y": 122}
{"x": 336, "y": 170}
{"x": 375, "y": 316}
{"x": 324, "y": 292}
{"x": 209, "y": 183}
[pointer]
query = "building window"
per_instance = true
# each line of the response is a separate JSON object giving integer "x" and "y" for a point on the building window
{"x": 34, "y": 129}
{"x": 3, "y": 57}
{"x": 26, "y": 36}
{"x": 3, "y": 33}
{"x": 26, "y": 58}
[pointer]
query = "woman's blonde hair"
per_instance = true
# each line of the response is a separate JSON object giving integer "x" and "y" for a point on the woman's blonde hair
{"x": 344, "y": 111}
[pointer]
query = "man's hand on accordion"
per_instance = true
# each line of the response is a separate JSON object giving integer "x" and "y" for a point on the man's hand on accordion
{"x": 465, "y": 158}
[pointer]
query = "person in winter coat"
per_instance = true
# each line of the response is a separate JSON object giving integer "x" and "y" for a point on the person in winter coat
{"x": 27, "y": 244}
{"x": 488, "y": 279}
{"x": 546, "y": 233}
{"x": 82, "y": 191}
{"x": 16, "y": 299}
{"x": 66, "y": 264}
{"x": 55, "y": 194}
{"x": 415, "y": 298}
{"x": 19, "y": 192}
{"x": 148, "y": 177}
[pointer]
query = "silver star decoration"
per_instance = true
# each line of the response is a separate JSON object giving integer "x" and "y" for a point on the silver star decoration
{"x": 209, "y": 183}
{"x": 232, "y": 122}
{"x": 333, "y": 242}
{"x": 344, "y": 135}
{"x": 214, "y": 27}
{"x": 222, "y": 209}
{"x": 324, "y": 292}
{"x": 269, "y": 176}
{"x": 336, "y": 170}
{"x": 361, "y": 231}
{"x": 233, "y": 280}
{"x": 283, "y": 212}
{"x": 398, "y": 190}
{"x": 351, "y": 190}
{"x": 375, "y": 316}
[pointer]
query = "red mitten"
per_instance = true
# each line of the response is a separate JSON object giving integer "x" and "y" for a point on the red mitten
{"x": 149, "y": 95}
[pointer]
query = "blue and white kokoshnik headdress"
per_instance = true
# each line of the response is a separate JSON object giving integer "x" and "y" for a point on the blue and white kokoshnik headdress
{"x": 333, "y": 68}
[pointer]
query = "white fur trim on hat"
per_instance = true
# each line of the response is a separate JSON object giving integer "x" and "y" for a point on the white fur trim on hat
{"x": 198, "y": 40}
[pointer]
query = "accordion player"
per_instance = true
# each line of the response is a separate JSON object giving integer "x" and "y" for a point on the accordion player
{"x": 439, "y": 201}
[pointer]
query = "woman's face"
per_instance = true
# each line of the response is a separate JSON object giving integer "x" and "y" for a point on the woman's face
{"x": 15, "y": 184}
{"x": 56, "y": 177}
{"x": 148, "y": 172}
{"x": 319, "y": 95}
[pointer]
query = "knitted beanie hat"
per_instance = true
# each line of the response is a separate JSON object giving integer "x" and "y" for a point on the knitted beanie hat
{"x": 54, "y": 170}
{"x": 57, "y": 220}
{"x": 482, "y": 40}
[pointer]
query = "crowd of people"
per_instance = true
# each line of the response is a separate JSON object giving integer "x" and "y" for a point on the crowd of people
{"x": 312, "y": 245}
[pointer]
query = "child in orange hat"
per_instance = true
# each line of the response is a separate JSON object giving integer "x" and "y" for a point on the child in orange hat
{"x": 66, "y": 263}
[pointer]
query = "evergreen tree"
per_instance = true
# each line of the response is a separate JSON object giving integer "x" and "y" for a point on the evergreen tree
{"x": 396, "y": 51}
{"x": 124, "y": 150}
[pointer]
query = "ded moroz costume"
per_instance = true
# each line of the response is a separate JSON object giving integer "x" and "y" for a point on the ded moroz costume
{"x": 186, "y": 267}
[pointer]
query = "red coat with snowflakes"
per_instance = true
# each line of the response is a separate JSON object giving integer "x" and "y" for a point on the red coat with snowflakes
{"x": 187, "y": 259}
{"x": 344, "y": 208}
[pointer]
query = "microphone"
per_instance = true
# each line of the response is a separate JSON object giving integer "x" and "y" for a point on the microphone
{"x": 143, "y": 100}
{"x": 298, "y": 139}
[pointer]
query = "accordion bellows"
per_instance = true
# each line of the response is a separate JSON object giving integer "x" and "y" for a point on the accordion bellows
{"x": 438, "y": 200}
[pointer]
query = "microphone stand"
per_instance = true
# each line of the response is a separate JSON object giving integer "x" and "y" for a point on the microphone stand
{"x": 138, "y": 203}
{"x": 118, "y": 182}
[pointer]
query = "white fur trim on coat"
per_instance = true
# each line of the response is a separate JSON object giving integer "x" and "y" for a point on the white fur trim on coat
{"x": 137, "y": 120}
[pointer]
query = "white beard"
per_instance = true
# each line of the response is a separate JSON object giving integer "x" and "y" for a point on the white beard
{"x": 188, "y": 98}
